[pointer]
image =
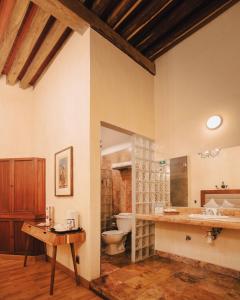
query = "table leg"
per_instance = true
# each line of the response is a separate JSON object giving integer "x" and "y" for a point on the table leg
{"x": 53, "y": 269}
{"x": 45, "y": 252}
{"x": 74, "y": 263}
{"x": 26, "y": 250}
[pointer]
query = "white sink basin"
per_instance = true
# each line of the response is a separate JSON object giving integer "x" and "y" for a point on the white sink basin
{"x": 208, "y": 217}
{"x": 212, "y": 217}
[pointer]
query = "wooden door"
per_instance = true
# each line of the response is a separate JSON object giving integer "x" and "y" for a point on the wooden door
{"x": 24, "y": 186}
{"x": 5, "y": 186}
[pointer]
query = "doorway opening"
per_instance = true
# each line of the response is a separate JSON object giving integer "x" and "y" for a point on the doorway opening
{"x": 116, "y": 199}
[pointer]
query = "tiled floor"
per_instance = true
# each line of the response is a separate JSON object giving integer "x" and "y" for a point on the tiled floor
{"x": 163, "y": 279}
{"x": 111, "y": 263}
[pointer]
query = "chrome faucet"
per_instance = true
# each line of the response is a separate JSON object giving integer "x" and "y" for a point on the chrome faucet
{"x": 214, "y": 211}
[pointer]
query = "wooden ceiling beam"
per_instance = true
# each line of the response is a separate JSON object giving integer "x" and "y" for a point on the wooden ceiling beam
{"x": 119, "y": 11}
{"x": 6, "y": 7}
{"x": 191, "y": 25}
{"x": 49, "y": 42}
{"x": 72, "y": 13}
{"x": 181, "y": 11}
{"x": 34, "y": 30}
{"x": 54, "y": 52}
{"x": 9, "y": 36}
{"x": 149, "y": 12}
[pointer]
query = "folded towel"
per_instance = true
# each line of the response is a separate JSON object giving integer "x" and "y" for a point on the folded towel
{"x": 227, "y": 204}
{"x": 211, "y": 203}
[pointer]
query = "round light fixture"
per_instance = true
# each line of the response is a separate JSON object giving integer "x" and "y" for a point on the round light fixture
{"x": 214, "y": 122}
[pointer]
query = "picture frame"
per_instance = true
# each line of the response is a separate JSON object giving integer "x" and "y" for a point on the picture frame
{"x": 64, "y": 172}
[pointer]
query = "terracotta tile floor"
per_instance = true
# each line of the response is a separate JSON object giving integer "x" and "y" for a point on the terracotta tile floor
{"x": 111, "y": 263}
{"x": 163, "y": 279}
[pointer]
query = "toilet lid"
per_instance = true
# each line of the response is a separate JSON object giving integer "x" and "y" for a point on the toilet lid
{"x": 112, "y": 232}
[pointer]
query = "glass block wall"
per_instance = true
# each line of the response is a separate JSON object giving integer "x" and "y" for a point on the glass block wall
{"x": 163, "y": 182}
{"x": 143, "y": 193}
{"x": 150, "y": 185}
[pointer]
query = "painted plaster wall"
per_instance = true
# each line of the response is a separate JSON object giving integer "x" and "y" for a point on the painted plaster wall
{"x": 121, "y": 95}
{"x": 197, "y": 79}
{"x": 16, "y": 107}
{"x": 62, "y": 119}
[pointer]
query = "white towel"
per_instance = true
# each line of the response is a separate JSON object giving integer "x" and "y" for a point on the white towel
{"x": 211, "y": 203}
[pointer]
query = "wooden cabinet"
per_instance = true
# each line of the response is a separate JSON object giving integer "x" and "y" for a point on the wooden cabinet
{"x": 22, "y": 197}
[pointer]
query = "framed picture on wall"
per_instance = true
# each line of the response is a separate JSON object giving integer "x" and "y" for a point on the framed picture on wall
{"x": 64, "y": 172}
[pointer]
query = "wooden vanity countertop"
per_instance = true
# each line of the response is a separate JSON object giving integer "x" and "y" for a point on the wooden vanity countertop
{"x": 183, "y": 218}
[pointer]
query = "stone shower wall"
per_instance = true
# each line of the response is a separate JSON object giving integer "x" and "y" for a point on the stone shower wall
{"x": 116, "y": 188}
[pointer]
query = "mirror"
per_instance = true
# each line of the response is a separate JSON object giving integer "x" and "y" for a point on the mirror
{"x": 217, "y": 176}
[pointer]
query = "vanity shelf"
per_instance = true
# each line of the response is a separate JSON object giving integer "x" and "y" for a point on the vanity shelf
{"x": 185, "y": 219}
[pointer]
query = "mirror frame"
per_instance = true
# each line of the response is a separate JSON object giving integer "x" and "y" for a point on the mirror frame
{"x": 223, "y": 191}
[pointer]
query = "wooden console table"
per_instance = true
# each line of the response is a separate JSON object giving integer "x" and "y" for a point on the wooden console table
{"x": 53, "y": 239}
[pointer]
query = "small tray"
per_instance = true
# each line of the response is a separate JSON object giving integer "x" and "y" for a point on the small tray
{"x": 66, "y": 231}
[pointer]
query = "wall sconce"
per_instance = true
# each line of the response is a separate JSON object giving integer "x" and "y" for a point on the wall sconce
{"x": 210, "y": 153}
{"x": 214, "y": 122}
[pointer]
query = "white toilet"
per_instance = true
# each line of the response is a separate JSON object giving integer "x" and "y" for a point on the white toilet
{"x": 115, "y": 239}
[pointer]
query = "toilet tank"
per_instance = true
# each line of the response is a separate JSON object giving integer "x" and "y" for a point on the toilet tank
{"x": 124, "y": 222}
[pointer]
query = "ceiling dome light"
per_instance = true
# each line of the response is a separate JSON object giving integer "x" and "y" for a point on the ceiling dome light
{"x": 214, "y": 122}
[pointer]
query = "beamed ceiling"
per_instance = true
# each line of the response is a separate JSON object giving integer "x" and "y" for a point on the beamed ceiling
{"x": 33, "y": 32}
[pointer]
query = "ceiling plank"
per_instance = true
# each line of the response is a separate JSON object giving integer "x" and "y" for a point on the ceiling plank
{"x": 181, "y": 11}
{"x": 191, "y": 25}
{"x": 128, "y": 13}
{"x": 99, "y": 6}
{"x": 88, "y": 3}
{"x": 49, "y": 42}
{"x": 73, "y": 12}
{"x": 119, "y": 11}
{"x": 34, "y": 31}
{"x": 150, "y": 11}
{"x": 11, "y": 32}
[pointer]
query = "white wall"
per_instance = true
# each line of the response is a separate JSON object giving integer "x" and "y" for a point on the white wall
{"x": 121, "y": 95}
{"x": 62, "y": 119}
{"x": 205, "y": 174}
{"x": 196, "y": 79}
{"x": 223, "y": 252}
{"x": 16, "y": 107}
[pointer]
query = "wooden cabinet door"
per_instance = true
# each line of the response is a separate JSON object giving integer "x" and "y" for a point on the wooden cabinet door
{"x": 5, "y": 236}
{"x": 19, "y": 238}
{"x": 40, "y": 200}
{"x": 24, "y": 186}
{"x": 5, "y": 186}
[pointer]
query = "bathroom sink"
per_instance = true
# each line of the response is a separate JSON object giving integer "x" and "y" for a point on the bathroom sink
{"x": 213, "y": 217}
{"x": 208, "y": 217}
